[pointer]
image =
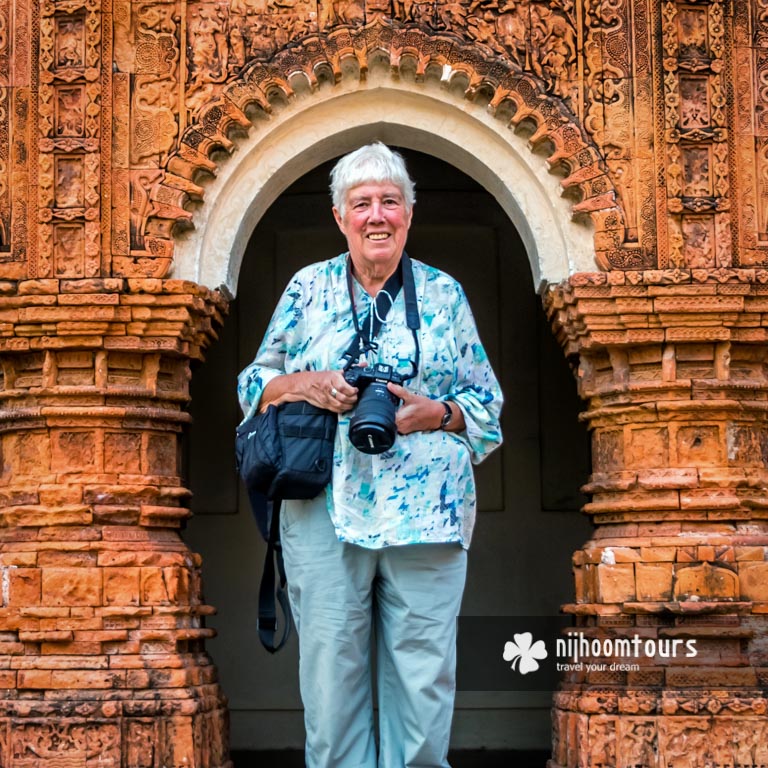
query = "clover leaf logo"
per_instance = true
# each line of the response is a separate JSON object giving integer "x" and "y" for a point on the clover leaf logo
{"x": 526, "y": 652}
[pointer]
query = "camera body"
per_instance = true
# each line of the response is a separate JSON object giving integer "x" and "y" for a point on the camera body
{"x": 372, "y": 427}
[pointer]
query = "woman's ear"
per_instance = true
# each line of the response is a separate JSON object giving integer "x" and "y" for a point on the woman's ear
{"x": 339, "y": 220}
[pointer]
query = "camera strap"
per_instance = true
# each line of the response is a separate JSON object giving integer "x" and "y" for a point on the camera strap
{"x": 367, "y": 331}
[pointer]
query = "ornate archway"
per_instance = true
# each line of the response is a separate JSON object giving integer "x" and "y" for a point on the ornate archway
{"x": 321, "y": 126}
{"x": 495, "y": 91}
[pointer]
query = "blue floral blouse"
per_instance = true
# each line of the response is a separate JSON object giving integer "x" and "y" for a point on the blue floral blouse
{"x": 423, "y": 489}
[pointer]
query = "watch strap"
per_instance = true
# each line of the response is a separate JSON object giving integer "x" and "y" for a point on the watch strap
{"x": 447, "y": 416}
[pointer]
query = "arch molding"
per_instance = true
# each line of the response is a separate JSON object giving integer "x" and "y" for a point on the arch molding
{"x": 484, "y": 95}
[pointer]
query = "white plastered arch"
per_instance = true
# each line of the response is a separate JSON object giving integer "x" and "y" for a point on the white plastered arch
{"x": 315, "y": 127}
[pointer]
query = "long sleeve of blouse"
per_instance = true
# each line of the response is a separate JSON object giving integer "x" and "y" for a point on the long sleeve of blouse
{"x": 422, "y": 490}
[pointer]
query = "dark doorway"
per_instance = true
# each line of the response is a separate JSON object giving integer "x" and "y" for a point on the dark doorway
{"x": 528, "y": 523}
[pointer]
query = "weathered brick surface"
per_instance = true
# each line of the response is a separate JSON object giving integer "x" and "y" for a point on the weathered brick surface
{"x": 679, "y": 499}
{"x": 90, "y": 503}
{"x": 615, "y": 583}
{"x": 654, "y": 581}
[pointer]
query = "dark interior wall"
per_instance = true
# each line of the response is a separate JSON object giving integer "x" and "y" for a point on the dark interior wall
{"x": 528, "y": 523}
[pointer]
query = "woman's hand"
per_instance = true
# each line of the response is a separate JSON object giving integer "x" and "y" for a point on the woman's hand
{"x": 422, "y": 414}
{"x": 325, "y": 389}
{"x": 329, "y": 389}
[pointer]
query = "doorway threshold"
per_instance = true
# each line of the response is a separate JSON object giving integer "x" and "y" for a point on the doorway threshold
{"x": 469, "y": 758}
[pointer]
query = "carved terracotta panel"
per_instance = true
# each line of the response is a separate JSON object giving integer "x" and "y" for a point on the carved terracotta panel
{"x": 69, "y": 250}
{"x": 596, "y": 59}
{"x": 69, "y": 42}
{"x": 750, "y": 59}
{"x": 75, "y": 743}
{"x": 6, "y": 107}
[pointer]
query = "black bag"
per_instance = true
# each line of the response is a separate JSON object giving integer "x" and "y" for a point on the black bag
{"x": 284, "y": 453}
{"x": 287, "y": 451}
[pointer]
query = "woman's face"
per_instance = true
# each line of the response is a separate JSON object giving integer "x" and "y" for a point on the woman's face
{"x": 375, "y": 223}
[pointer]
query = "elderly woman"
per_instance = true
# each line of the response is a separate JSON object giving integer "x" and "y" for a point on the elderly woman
{"x": 385, "y": 546}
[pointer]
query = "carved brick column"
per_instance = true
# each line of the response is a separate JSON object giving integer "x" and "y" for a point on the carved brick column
{"x": 672, "y": 366}
{"x": 102, "y": 620}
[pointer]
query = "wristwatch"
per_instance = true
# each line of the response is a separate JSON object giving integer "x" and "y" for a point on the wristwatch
{"x": 447, "y": 416}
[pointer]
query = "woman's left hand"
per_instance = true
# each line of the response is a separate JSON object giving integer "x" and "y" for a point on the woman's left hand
{"x": 417, "y": 412}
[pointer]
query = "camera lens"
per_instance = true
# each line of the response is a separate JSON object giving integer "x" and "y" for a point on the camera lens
{"x": 372, "y": 428}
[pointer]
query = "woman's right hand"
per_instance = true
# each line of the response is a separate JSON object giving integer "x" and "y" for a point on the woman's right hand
{"x": 328, "y": 389}
{"x": 325, "y": 389}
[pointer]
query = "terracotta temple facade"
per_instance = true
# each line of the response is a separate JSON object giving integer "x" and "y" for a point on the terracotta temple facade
{"x": 140, "y": 142}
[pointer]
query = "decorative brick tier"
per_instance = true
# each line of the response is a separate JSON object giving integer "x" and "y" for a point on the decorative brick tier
{"x": 102, "y": 620}
{"x": 673, "y": 373}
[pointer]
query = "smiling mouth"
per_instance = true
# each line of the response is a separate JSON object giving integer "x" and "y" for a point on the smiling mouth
{"x": 378, "y": 236}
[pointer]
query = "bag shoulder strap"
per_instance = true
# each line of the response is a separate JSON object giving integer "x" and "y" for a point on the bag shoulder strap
{"x": 267, "y": 623}
{"x": 409, "y": 291}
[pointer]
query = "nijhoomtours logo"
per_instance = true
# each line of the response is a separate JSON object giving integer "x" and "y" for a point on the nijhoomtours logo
{"x": 540, "y": 653}
{"x": 577, "y": 652}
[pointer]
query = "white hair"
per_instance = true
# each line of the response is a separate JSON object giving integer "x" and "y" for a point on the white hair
{"x": 372, "y": 163}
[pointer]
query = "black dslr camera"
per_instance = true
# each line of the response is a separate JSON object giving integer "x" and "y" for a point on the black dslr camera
{"x": 372, "y": 428}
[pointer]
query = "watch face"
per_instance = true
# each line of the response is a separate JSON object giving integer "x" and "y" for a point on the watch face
{"x": 446, "y": 416}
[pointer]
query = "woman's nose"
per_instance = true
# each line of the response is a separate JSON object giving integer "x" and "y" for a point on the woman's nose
{"x": 376, "y": 211}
